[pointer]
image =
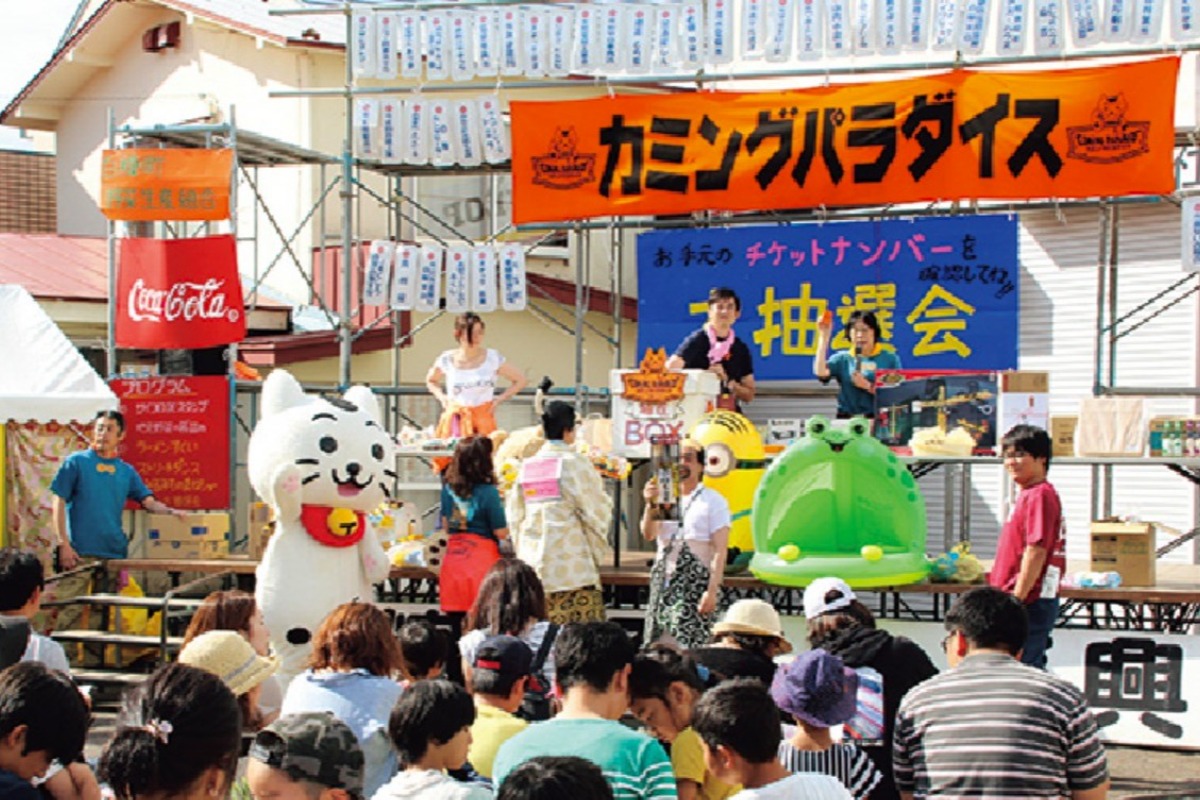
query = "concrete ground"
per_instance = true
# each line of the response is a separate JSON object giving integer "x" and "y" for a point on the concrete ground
{"x": 1137, "y": 773}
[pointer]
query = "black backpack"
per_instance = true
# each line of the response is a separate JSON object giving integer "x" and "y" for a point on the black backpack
{"x": 535, "y": 706}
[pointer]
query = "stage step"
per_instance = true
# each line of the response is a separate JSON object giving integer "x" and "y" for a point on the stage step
{"x": 150, "y": 603}
{"x": 120, "y": 639}
{"x": 103, "y": 677}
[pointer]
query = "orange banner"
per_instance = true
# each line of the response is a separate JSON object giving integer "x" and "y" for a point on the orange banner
{"x": 1095, "y": 132}
{"x": 141, "y": 185}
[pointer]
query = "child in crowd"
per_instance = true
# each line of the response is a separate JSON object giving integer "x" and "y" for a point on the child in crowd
{"x": 312, "y": 756}
{"x": 22, "y": 579}
{"x": 178, "y": 736}
{"x": 740, "y": 727}
{"x": 819, "y": 691}
{"x": 430, "y": 728}
{"x": 353, "y": 674}
{"x": 235, "y": 610}
{"x": 424, "y": 649}
{"x": 554, "y": 778}
{"x": 664, "y": 686}
{"x": 500, "y": 673}
{"x": 43, "y": 718}
{"x": 230, "y": 657}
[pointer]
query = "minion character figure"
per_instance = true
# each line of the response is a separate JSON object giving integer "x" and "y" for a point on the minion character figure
{"x": 734, "y": 463}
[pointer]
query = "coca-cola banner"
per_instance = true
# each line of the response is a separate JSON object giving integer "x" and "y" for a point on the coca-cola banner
{"x": 177, "y": 436}
{"x": 179, "y": 293}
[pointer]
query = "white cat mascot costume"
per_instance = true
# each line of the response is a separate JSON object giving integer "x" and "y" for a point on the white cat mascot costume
{"x": 321, "y": 464}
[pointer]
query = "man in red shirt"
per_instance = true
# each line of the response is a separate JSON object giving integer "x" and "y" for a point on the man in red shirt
{"x": 1031, "y": 554}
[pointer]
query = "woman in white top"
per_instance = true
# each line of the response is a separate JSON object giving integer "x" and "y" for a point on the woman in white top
{"x": 469, "y": 375}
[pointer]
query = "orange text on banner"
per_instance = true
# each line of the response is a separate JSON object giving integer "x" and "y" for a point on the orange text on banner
{"x": 1103, "y": 131}
{"x": 165, "y": 184}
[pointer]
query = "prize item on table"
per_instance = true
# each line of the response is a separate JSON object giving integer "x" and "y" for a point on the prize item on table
{"x": 323, "y": 464}
{"x": 734, "y": 464}
{"x": 936, "y": 405}
{"x": 957, "y": 565}
{"x": 838, "y": 502}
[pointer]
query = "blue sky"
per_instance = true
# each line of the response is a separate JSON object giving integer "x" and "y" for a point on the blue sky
{"x": 28, "y": 33}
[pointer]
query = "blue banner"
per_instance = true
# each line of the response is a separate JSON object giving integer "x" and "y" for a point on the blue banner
{"x": 945, "y": 290}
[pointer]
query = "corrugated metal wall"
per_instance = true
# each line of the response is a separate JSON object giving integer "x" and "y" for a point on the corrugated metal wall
{"x": 1059, "y": 253}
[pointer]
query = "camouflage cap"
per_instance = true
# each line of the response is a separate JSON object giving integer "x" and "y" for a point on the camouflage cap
{"x": 315, "y": 747}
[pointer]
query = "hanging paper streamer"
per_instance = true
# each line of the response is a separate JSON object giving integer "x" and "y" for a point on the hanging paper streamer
{"x": 1047, "y": 27}
{"x": 442, "y": 149}
{"x": 414, "y": 148}
{"x": 437, "y": 45}
{"x": 585, "y": 56}
{"x": 511, "y": 61}
{"x": 386, "y": 37}
{"x": 1014, "y": 14}
{"x": 366, "y": 127}
{"x": 973, "y": 29}
{"x": 694, "y": 39}
{"x": 753, "y": 28}
{"x": 484, "y": 34}
{"x": 391, "y": 136}
{"x": 465, "y": 129}
{"x": 404, "y": 276}
{"x": 720, "y": 31}
{"x": 1147, "y": 20}
{"x": 1085, "y": 22}
{"x": 535, "y": 45}
{"x": 838, "y": 29}
{"x": 562, "y": 24}
{"x": 458, "y": 277}
{"x": 429, "y": 277}
{"x": 1184, "y": 20}
{"x": 916, "y": 24}
{"x": 408, "y": 47}
{"x": 810, "y": 36}
{"x": 612, "y": 30}
{"x": 462, "y": 55}
{"x": 513, "y": 295}
{"x": 363, "y": 29}
{"x": 496, "y": 149}
{"x": 483, "y": 278}
{"x": 945, "y": 24}
{"x": 378, "y": 276}
{"x": 638, "y": 37}
{"x": 666, "y": 38}
{"x": 1118, "y": 20}
{"x": 864, "y": 27}
{"x": 889, "y": 26}
{"x": 780, "y": 19}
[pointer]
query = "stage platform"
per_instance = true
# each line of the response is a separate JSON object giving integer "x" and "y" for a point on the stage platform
{"x": 1172, "y": 605}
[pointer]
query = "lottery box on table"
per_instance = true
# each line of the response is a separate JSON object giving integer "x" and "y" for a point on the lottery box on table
{"x": 201, "y": 535}
{"x": 634, "y": 421}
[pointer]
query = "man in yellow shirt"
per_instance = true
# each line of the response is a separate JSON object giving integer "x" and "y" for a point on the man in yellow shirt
{"x": 498, "y": 679}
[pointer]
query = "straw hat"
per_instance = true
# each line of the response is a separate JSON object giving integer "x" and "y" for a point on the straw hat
{"x": 755, "y": 617}
{"x": 230, "y": 657}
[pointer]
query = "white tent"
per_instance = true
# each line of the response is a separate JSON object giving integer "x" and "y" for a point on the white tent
{"x": 44, "y": 378}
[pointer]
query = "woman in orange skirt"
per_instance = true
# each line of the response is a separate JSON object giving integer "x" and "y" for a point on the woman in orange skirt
{"x": 469, "y": 374}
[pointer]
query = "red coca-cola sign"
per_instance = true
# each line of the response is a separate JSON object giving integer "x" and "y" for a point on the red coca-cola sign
{"x": 179, "y": 293}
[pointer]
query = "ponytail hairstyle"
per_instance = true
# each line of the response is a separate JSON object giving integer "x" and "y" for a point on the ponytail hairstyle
{"x": 172, "y": 729}
{"x": 659, "y": 666}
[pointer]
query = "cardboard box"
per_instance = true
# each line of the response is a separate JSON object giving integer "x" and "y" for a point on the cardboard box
{"x": 197, "y": 549}
{"x": 260, "y": 524}
{"x": 1062, "y": 436}
{"x": 909, "y": 400}
{"x": 1158, "y": 425}
{"x": 196, "y": 527}
{"x": 1022, "y": 408}
{"x": 1127, "y": 548}
{"x": 1111, "y": 426}
{"x": 1024, "y": 382}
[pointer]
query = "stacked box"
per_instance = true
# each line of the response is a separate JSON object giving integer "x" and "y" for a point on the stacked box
{"x": 200, "y": 535}
{"x": 1127, "y": 548}
{"x": 260, "y": 525}
{"x": 1062, "y": 436}
{"x": 1024, "y": 400}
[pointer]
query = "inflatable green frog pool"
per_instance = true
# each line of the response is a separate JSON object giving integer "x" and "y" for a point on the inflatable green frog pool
{"x": 838, "y": 502}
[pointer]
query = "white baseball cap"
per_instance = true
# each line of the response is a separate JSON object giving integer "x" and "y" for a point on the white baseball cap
{"x": 814, "y": 597}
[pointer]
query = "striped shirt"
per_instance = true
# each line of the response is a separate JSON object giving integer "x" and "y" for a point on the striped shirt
{"x": 844, "y": 761}
{"x": 995, "y": 728}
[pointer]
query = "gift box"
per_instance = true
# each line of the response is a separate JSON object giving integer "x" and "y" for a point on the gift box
{"x": 946, "y": 406}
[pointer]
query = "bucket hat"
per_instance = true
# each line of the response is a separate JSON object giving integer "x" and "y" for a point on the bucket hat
{"x": 818, "y": 688}
{"x": 230, "y": 657}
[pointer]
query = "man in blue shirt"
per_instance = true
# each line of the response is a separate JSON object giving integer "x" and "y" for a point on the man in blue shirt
{"x": 90, "y": 491}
